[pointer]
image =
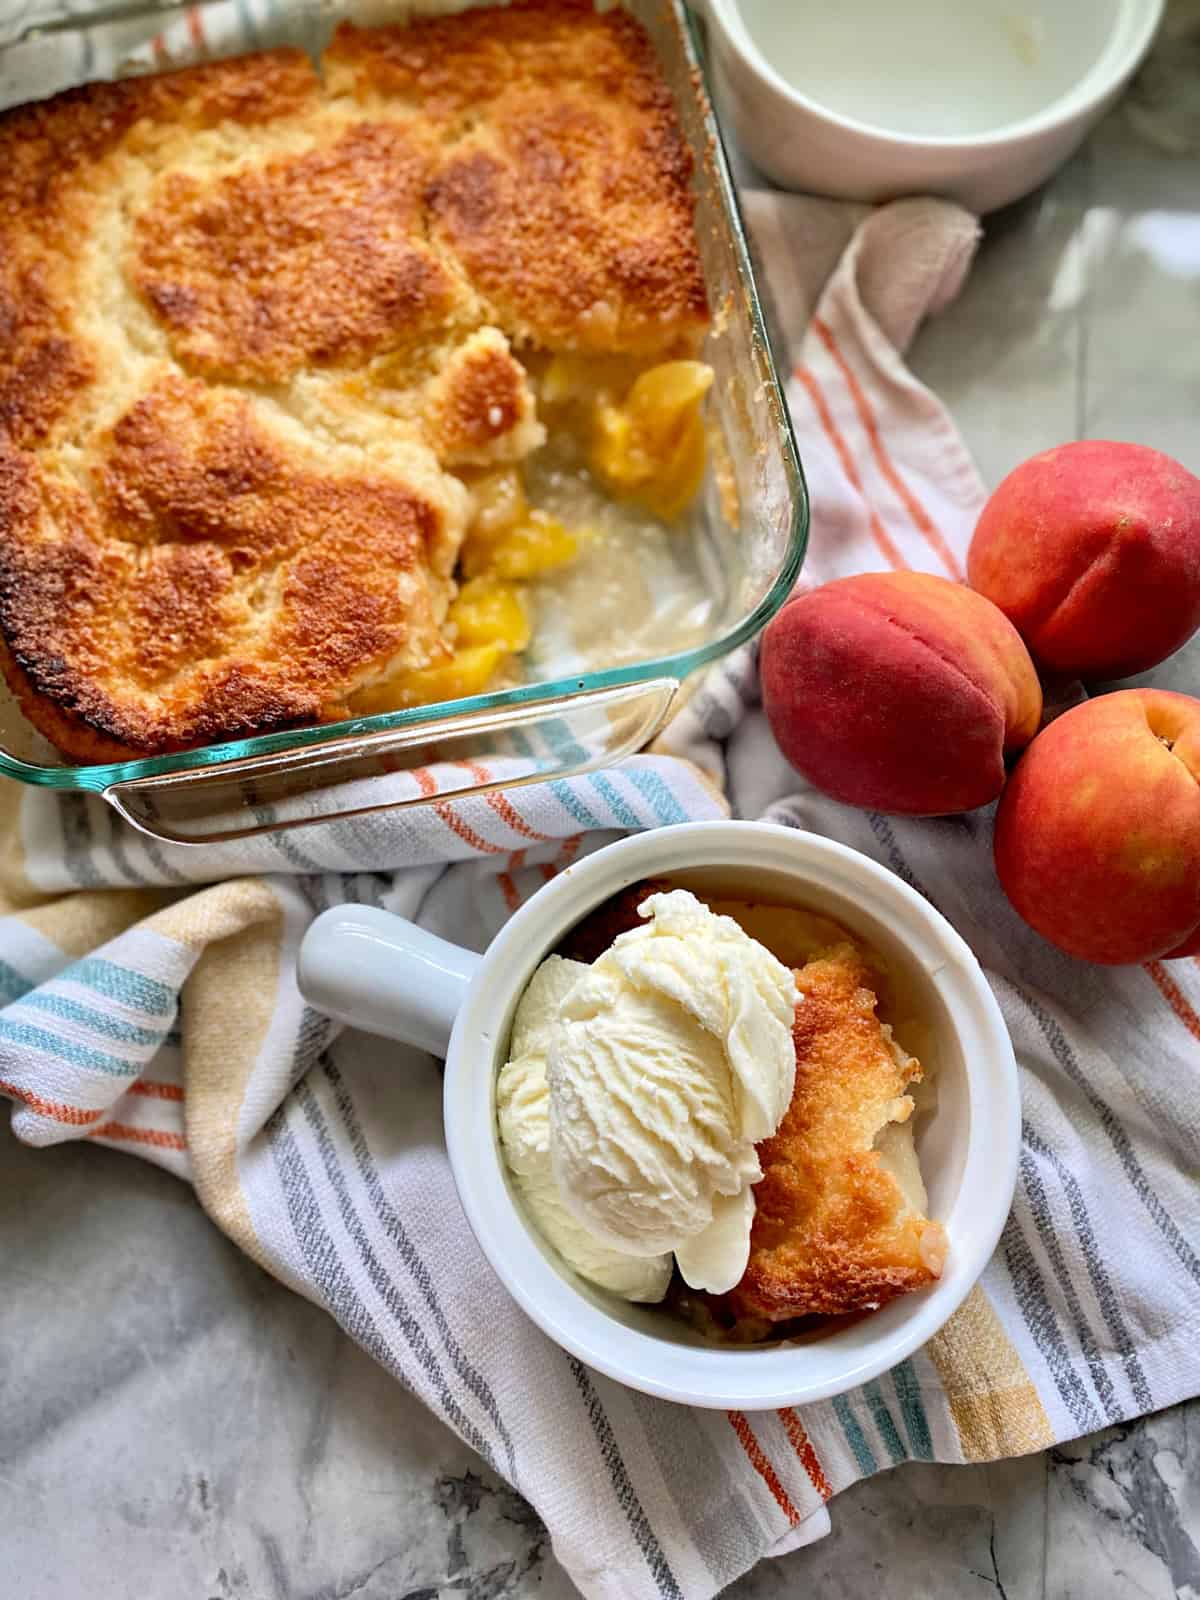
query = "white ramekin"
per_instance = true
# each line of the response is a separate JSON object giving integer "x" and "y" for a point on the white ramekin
{"x": 383, "y": 974}
{"x": 800, "y": 143}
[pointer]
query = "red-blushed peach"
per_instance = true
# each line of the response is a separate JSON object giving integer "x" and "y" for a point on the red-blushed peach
{"x": 1092, "y": 551}
{"x": 899, "y": 692}
{"x": 1098, "y": 831}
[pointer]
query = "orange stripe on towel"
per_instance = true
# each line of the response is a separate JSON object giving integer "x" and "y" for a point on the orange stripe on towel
{"x": 508, "y": 888}
{"x": 1175, "y": 997}
{"x": 465, "y": 832}
{"x": 152, "y": 1136}
{"x": 503, "y": 807}
{"x": 762, "y": 1466}
{"x": 879, "y": 533}
{"x": 922, "y": 521}
{"x": 802, "y": 1445}
{"x": 424, "y": 781}
{"x": 156, "y": 1090}
{"x": 74, "y": 1116}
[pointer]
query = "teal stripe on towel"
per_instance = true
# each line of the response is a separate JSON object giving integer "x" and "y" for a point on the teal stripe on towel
{"x": 651, "y": 787}
{"x": 122, "y": 984}
{"x": 567, "y": 796}
{"x": 912, "y": 1410}
{"x": 566, "y": 791}
{"x": 60, "y": 1005}
{"x": 607, "y": 791}
{"x": 561, "y": 740}
{"x": 12, "y": 984}
{"x": 52, "y": 1044}
{"x": 855, "y": 1437}
{"x": 883, "y": 1421}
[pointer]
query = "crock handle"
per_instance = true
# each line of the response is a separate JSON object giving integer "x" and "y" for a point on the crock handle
{"x": 381, "y": 973}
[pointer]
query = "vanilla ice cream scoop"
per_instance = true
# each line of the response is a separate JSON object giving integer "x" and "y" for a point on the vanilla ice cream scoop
{"x": 523, "y": 1114}
{"x": 668, "y": 1060}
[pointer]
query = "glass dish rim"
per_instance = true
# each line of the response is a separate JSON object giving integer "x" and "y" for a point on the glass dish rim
{"x": 679, "y": 665}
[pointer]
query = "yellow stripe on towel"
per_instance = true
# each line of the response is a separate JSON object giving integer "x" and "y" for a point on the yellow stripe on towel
{"x": 995, "y": 1405}
{"x": 228, "y": 1003}
{"x": 16, "y": 890}
{"x": 81, "y": 922}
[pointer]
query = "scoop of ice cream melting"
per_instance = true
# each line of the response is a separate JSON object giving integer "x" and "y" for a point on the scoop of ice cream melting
{"x": 523, "y": 1113}
{"x": 668, "y": 1060}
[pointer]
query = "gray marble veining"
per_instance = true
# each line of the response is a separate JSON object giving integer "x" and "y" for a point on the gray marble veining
{"x": 1128, "y": 1499}
{"x": 175, "y": 1424}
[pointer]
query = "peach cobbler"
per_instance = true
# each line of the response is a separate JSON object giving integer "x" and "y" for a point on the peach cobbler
{"x": 279, "y": 344}
{"x": 677, "y": 1045}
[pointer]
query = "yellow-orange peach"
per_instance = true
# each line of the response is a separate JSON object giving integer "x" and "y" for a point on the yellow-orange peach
{"x": 1098, "y": 832}
{"x": 1092, "y": 551}
{"x": 899, "y": 692}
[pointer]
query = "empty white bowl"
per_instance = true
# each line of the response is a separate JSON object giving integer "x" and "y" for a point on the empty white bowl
{"x": 977, "y": 102}
{"x": 381, "y": 973}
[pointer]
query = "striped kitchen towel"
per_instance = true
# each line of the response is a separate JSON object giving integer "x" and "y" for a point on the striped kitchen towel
{"x": 148, "y": 1002}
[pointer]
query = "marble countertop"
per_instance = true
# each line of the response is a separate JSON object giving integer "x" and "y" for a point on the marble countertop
{"x": 173, "y": 1423}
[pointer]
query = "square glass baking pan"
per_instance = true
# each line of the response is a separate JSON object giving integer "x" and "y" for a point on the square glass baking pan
{"x": 703, "y": 587}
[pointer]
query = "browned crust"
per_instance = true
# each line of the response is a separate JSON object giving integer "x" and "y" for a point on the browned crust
{"x": 310, "y": 259}
{"x": 182, "y": 563}
{"x": 42, "y": 367}
{"x": 48, "y": 142}
{"x": 451, "y": 68}
{"x": 565, "y": 185}
{"x": 832, "y": 1232}
{"x": 50, "y": 153}
{"x": 217, "y": 585}
{"x": 484, "y": 399}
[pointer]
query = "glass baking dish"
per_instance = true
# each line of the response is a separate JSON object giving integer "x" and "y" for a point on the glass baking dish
{"x": 736, "y": 555}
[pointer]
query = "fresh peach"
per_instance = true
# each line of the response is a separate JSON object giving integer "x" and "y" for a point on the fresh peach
{"x": 1093, "y": 552}
{"x": 1098, "y": 832}
{"x": 899, "y": 692}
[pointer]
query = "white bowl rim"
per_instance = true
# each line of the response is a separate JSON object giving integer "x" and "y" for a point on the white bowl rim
{"x": 1076, "y": 102}
{"x": 712, "y": 1376}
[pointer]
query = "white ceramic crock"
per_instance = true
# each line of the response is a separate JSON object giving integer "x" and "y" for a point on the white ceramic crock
{"x": 1082, "y": 51}
{"x": 385, "y": 975}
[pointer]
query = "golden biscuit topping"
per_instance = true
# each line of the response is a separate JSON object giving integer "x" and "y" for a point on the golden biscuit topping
{"x": 306, "y": 259}
{"x": 834, "y": 1230}
{"x": 253, "y": 318}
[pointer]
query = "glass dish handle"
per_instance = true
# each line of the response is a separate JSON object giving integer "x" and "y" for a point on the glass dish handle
{"x": 412, "y": 765}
